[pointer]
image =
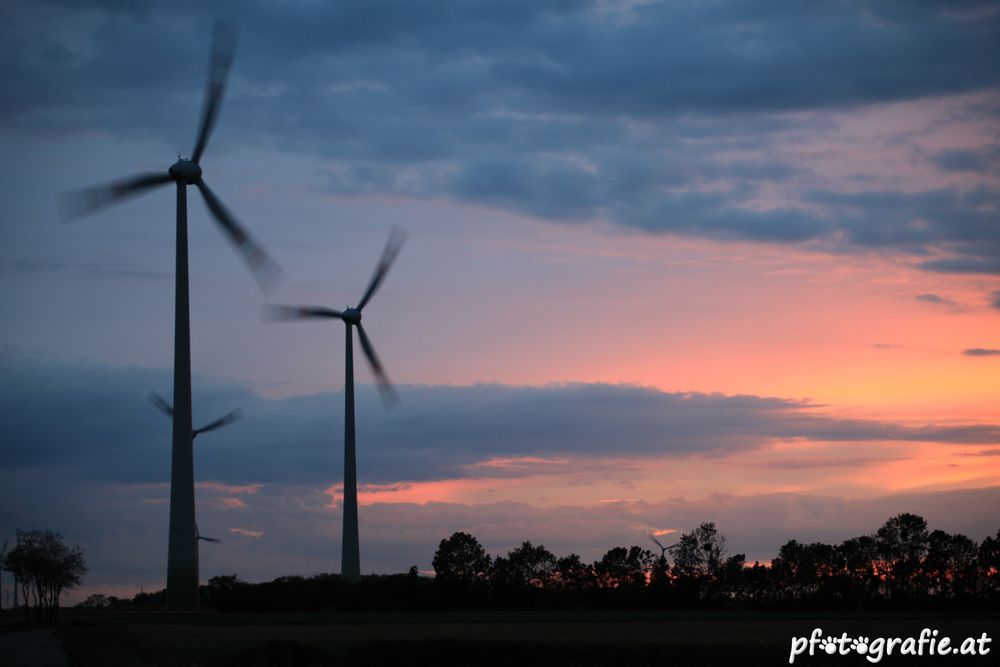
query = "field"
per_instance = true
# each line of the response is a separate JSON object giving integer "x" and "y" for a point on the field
{"x": 502, "y": 638}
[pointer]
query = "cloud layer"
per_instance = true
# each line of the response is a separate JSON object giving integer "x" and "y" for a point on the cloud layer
{"x": 95, "y": 421}
{"x": 717, "y": 120}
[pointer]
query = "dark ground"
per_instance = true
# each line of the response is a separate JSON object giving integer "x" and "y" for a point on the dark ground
{"x": 207, "y": 639}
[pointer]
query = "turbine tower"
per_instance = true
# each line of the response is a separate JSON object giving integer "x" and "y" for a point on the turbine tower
{"x": 182, "y": 555}
{"x": 350, "y": 562}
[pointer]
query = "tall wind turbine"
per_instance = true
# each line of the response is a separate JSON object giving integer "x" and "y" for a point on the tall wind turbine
{"x": 350, "y": 562}
{"x": 182, "y": 555}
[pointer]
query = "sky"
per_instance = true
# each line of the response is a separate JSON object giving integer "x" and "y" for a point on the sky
{"x": 668, "y": 262}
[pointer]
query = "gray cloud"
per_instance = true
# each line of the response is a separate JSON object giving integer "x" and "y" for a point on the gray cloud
{"x": 569, "y": 110}
{"x": 981, "y": 352}
{"x": 995, "y": 300}
{"x": 95, "y": 420}
{"x": 935, "y": 299}
{"x": 983, "y": 160}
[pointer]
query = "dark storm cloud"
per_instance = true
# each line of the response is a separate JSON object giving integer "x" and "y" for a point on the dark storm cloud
{"x": 562, "y": 109}
{"x": 94, "y": 420}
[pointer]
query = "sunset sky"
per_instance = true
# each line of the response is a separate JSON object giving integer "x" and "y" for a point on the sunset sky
{"x": 668, "y": 262}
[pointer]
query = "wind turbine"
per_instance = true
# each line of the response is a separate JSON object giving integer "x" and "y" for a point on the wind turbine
{"x": 182, "y": 555}
{"x": 663, "y": 549}
{"x": 227, "y": 418}
{"x": 350, "y": 562}
{"x": 163, "y": 406}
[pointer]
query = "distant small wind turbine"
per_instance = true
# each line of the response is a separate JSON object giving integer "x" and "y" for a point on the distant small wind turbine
{"x": 663, "y": 549}
{"x": 228, "y": 418}
{"x": 182, "y": 551}
{"x": 350, "y": 555}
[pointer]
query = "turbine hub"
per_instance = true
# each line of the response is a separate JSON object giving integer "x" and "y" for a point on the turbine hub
{"x": 352, "y": 316}
{"x": 186, "y": 172}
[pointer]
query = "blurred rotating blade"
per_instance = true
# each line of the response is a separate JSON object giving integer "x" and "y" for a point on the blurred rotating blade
{"x": 160, "y": 404}
{"x": 224, "y": 39}
{"x": 392, "y": 247}
{"x": 276, "y": 313}
{"x": 199, "y": 536}
{"x": 264, "y": 269}
{"x": 73, "y": 205}
{"x": 389, "y": 397}
{"x": 229, "y": 418}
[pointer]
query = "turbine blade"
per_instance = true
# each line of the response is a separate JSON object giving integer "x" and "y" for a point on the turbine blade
{"x": 276, "y": 313}
{"x": 73, "y": 205}
{"x": 224, "y": 39}
{"x": 229, "y": 418}
{"x": 389, "y": 397}
{"x": 264, "y": 269}
{"x": 199, "y": 536}
{"x": 658, "y": 543}
{"x": 392, "y": 247}
{"x": 160, "y": 404}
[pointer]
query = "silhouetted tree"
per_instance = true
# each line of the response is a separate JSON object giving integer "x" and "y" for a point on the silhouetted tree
{"x": 859, "y": 580}
{"x": 758, "y": 588}
{"x": 806, "y": 571}
{"x": 624, "y": 568}
{"x": 461, "y": 558}
{"x": 732, "y": 578}
{"x": 949, "y": 569}
{"x": 697, "y": 562}
{"x": 572, "y": 574}
{"x": 531, "y": 566}
{"x": 45, "y": 568}
{"x": 901, "y": 544}
{"x": 462, "y": 569}
{"x": 659, "y": 576}
{"x": 101, "y": 601}
{"x": 988, "y": 560}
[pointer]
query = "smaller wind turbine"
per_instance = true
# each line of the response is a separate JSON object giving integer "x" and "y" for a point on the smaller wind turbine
{"x": 163, "y": 406}
{"x": 663, "y": 549}
{"x": 350, "y": 562}
{"x": 228, "y": 418}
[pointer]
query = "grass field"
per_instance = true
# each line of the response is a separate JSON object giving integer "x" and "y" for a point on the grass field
{"x": 557, "y": 638}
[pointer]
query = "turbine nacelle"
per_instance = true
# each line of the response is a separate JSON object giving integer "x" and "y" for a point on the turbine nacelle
{"x": 185, "y": 171}
{"x": 351, "y": 316}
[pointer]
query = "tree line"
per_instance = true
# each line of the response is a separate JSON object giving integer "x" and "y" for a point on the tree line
{"x": 902, "y": 565}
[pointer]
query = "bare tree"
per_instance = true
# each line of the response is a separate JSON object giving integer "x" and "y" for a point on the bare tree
{"x": 46, "y": 568}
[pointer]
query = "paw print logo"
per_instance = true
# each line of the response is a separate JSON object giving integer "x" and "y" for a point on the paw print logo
{"x": 829, "y": 645}
{"x": 860, "y": 645}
